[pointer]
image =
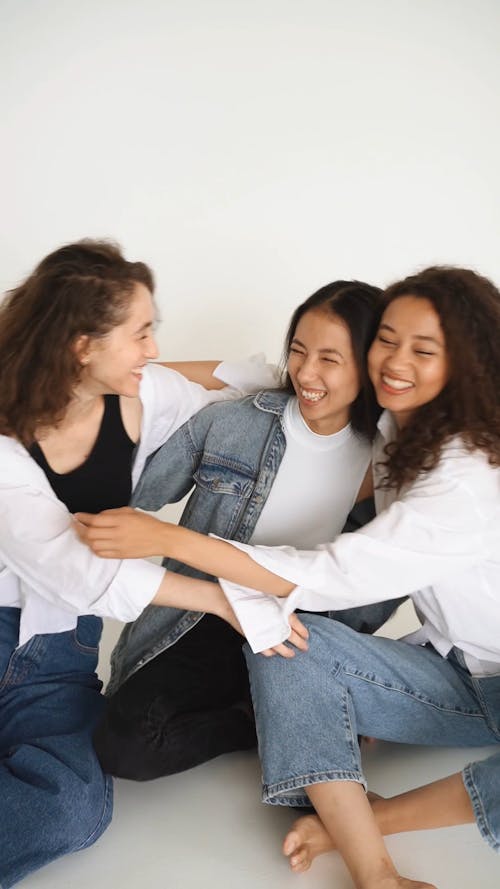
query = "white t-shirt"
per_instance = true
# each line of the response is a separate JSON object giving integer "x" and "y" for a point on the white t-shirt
{"x": 437, "y": 541}
{"x": 44, "y": 568}
{"x": 316, "y": 484}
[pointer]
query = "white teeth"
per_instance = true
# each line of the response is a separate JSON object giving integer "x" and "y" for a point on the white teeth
{"x": 312, "y": 396}
{"x": 400, "y": 385}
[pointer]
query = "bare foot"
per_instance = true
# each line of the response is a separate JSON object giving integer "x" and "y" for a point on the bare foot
{"x": 305, "y": 841}
{"x": 308, "y": 838}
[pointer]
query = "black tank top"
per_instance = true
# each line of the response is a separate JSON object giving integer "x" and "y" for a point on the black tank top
{"x": 104, "y": 480}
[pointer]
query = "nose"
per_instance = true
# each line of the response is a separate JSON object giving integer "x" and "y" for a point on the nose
{"x": 397, "y": 360}
{"x": 151, "y": 349}
{"x": 307, "y": 372}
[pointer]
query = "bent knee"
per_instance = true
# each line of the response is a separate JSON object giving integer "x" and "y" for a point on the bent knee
{"x": 55, "y": 808}
{"x": 81, "y": 809}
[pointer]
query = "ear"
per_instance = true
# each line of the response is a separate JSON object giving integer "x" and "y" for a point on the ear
{"x": 82, "y": 348}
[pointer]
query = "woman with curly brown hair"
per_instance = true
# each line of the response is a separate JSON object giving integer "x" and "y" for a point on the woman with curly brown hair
{"x": 435, "y": 366}
{"x": 81, "y": 409}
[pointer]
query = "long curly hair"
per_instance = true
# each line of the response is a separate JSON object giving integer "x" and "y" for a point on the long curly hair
{"x": 359, "y": 305}
{"x": 82, "y": 288}
{"x": 468, "y": 406}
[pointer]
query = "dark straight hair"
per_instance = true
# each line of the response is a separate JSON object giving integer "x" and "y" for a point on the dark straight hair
{"x": 359, "y": 306}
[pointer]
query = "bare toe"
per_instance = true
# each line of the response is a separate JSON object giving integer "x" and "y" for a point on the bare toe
{"x": 307, "y": 839}
{"x": 300, "y": 861}
{"x": 291, "y": 842}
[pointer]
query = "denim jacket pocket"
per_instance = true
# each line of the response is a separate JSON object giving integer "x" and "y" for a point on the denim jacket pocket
{"x": 226, "y": 477}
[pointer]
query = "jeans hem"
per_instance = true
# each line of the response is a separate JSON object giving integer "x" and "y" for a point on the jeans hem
{"x": 479, "y": 810}
{"x": 278, "y": 794}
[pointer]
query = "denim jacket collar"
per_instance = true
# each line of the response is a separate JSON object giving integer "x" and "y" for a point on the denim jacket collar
{"x": 272, "y": 400}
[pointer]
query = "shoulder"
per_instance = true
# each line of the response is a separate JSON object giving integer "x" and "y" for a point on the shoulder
{"x": 471, "y": 468}
{"x": 158, "y": 379}
{"x": 458, "y": 459}
{"x": 25, "y": 494}
{"x": 249, "y": 406}
{"x": 17, "y": 467}
{"x": 463, "y": 484}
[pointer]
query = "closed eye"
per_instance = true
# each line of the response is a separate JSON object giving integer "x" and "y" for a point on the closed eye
{"x": 382, "y": 339}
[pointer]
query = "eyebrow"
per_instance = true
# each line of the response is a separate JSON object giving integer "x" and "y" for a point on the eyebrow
{"x": 415, "y": 336}
{"x": 326, "y": 351}
{"x": 144, "y": 327}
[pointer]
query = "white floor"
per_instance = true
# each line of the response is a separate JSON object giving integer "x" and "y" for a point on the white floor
{"x": 207, "y": 827}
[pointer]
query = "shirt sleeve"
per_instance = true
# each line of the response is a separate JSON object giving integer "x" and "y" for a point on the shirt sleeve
{"x": 39, "y": 546}
{"x": 440, "y": 528}
{"x": 250, "y": 375}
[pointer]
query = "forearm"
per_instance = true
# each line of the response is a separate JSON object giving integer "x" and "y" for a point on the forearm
{"x": 127, "y": 533}
{"x": 443, "y": 803}
{"x": 220, "y": 559}
{"x": 192, "y": 594}
{"x": 197, "y": 371}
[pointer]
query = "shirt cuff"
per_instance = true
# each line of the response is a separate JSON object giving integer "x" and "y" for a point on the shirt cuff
{"x": 263, "y": 619}
{"x": 133, "y": 587}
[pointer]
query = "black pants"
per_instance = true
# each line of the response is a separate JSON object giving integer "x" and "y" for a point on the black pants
{"x": 187, "y": 705}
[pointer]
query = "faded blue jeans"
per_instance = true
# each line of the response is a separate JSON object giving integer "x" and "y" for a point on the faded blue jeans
{"x": 311, "y": 709}
{"x": 54, "y": 797}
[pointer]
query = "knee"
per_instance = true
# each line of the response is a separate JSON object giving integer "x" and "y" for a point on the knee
{"x": 81, "y": 810}
{"x": 55, "y": 808}
{"x": 330, "y": 643}
{"x": 124, "y": 747}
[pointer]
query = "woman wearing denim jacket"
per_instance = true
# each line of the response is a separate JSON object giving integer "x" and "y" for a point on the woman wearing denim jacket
{"x": 178, "y": 693}
{"x": 435, "y": 365}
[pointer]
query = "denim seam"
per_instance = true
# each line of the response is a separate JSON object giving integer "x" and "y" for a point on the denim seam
{"x": 95, "y": 834}
{"x": 479, "y": 811}
{"x": 411, "y": 694}
{"x": 20, "y": 666}
{"x": 488, "y": 715}
{"x": 84, "y": 649}
{"x": 221, "y": 461}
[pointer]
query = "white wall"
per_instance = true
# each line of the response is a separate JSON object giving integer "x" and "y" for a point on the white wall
{"x": 251, "y": 150}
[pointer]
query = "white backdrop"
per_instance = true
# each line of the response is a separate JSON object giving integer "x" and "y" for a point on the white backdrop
{"x": 251, "y": 150}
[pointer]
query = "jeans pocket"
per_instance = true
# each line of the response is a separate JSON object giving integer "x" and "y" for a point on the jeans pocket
{"x": 87, "y": 634}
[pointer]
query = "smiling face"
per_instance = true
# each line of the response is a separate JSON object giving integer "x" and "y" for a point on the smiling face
{"x": 407, "y": 362}
{"x": 113, "y": 364}
{"x": 323, "y": 371}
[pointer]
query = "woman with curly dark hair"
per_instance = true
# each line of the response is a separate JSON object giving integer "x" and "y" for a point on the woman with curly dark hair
{"x": 435, "y": 366}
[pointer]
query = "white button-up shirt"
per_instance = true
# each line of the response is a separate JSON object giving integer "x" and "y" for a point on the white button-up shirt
{"x": 44, "y": 568}
{"x": 437, "y": 541}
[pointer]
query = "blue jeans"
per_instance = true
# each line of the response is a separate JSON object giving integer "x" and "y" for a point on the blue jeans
{"x": 310, "y": 711}
{"x": 54, "y": 796}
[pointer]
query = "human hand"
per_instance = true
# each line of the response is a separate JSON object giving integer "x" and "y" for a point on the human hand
{"x": 121, "y": 533}
{"x": 298, "y": 638}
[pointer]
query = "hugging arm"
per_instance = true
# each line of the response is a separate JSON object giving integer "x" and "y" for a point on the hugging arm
{"x": 201, "y": 372}
{"x": 126, "y": 533}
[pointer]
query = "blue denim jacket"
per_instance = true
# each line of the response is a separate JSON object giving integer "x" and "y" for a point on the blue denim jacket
{"x": 231, "y": 452}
